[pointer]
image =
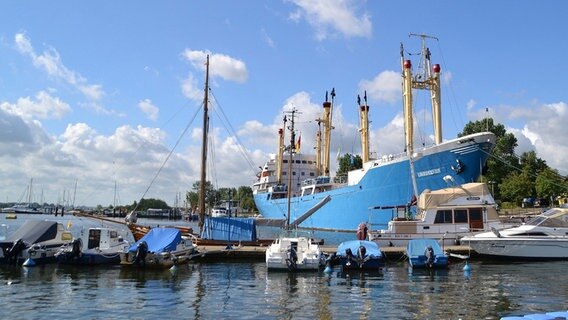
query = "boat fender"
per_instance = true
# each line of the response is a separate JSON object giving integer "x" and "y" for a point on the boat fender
{"x": 141, "y": 252}
{"x": 429, "y": 253}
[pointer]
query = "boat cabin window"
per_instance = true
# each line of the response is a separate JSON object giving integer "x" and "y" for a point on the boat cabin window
{"x": 554, "y": 218}
{"x": 113, "y": 234}
{"x": 460, "y": 216}
{"x": 443, "y": 216}
{"x": 94, "y": 238}
{"x": 530, "y": 234}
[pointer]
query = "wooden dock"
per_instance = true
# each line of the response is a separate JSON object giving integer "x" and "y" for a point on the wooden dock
{"x": 221, "y": 253}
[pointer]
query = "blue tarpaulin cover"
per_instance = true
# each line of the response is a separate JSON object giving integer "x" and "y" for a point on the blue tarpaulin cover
{"x": 371, "y": 248}
{"x": 159, "y": 240}
{"x": 417, "y": 247}
{"x": 233, "y": 229}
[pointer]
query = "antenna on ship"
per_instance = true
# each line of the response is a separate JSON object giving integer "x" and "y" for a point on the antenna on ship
{"x": 291, "y": 150}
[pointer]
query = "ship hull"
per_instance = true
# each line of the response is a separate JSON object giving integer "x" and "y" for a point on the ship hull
{"x": 385, "y": 184}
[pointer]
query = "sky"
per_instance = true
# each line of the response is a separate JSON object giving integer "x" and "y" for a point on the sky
{"x": 101, "y": 101}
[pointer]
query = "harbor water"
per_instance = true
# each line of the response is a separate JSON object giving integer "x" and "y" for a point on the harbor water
{"x": 245, "y": 290}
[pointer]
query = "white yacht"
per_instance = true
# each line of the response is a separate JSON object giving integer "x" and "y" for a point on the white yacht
{"x": 543, "y": 237}
{"x": 446, "y": 215}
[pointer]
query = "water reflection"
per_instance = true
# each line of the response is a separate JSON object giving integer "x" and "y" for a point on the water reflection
{"x": 246, "y": 290}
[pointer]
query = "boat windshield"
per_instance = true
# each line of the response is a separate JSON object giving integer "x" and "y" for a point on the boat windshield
{"x": 553, "y": 218}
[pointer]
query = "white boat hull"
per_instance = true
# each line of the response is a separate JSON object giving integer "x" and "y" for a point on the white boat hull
{"x": 294, "y": 254}
{"x": 526, "y": 248}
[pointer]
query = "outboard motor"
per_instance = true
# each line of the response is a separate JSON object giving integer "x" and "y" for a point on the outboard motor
{"x": 349, "y": 255}
{"x": 14, "y": 251}
{"x": 361, "y": 255}
{"x": 331, "y": 261}
{"x": 292, "y": 259}
{"x": 429, "y": 256}
{"x": 141, "y": 252}
{"x": 76, "y": 248}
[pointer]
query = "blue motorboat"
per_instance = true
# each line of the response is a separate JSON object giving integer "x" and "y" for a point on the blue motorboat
{"x": 359, "y": 254}
{"x": 426, "y": 253}
{"x": 160, "y": 248}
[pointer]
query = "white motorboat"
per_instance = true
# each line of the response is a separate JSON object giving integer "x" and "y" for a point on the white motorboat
{"x": 446, "y": 215}
{"x": 36, "y": 241}
{"x": 543, "y": 237}
{"x": 294, "y": 252}
{"x": 94, "y": 246}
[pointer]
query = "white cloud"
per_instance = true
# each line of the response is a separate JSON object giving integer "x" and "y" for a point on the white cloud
{"x": 267, "y": 38}
{"x": 50, "y": 62}
{"x": 384, "y": 87}
{"x": 540, "y": 127}
{"x": 220, "y": 65}
{"x": 149, "y": 109}
{"x": 328, "y": 17}
{"x": 190, "y": 88}
{"x": 44, "y": 107}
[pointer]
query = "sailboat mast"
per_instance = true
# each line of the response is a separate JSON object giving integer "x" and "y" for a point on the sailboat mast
{"x": 75, "y": 193}
{"x": 204, "y": 148}
{"x": 30, "y": 193}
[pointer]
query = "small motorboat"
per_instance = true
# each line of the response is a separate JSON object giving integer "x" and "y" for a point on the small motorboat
{"x": 426, "y": 253}
{"x": 543, "y": 237}
{"x": 94, "y": 246}
{"x": 294, "y": 252}
{"x": 160, "y": 248}
{"x": 359, "y": 254}
{"x": 36, "y": 241}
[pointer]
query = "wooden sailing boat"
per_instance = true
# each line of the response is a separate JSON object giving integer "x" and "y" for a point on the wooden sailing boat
{"x": 293, "y": 251}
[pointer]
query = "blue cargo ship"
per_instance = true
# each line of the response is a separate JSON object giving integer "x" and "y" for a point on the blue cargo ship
{"x": 317, "y": 201}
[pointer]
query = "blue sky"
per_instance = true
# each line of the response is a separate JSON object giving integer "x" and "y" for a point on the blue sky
{"x": 97, "y": 92}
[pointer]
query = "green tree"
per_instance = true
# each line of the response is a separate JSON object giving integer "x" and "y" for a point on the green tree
{"x": 515, "y": 187}
{"x": 502, "y": 161}
{"x": 549, "y": 184}
{"x": 146, "y": 204}
{"x": 211, "y": 195}
{"x": 348, "y": 162}
{"x": 245, "y": 195}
